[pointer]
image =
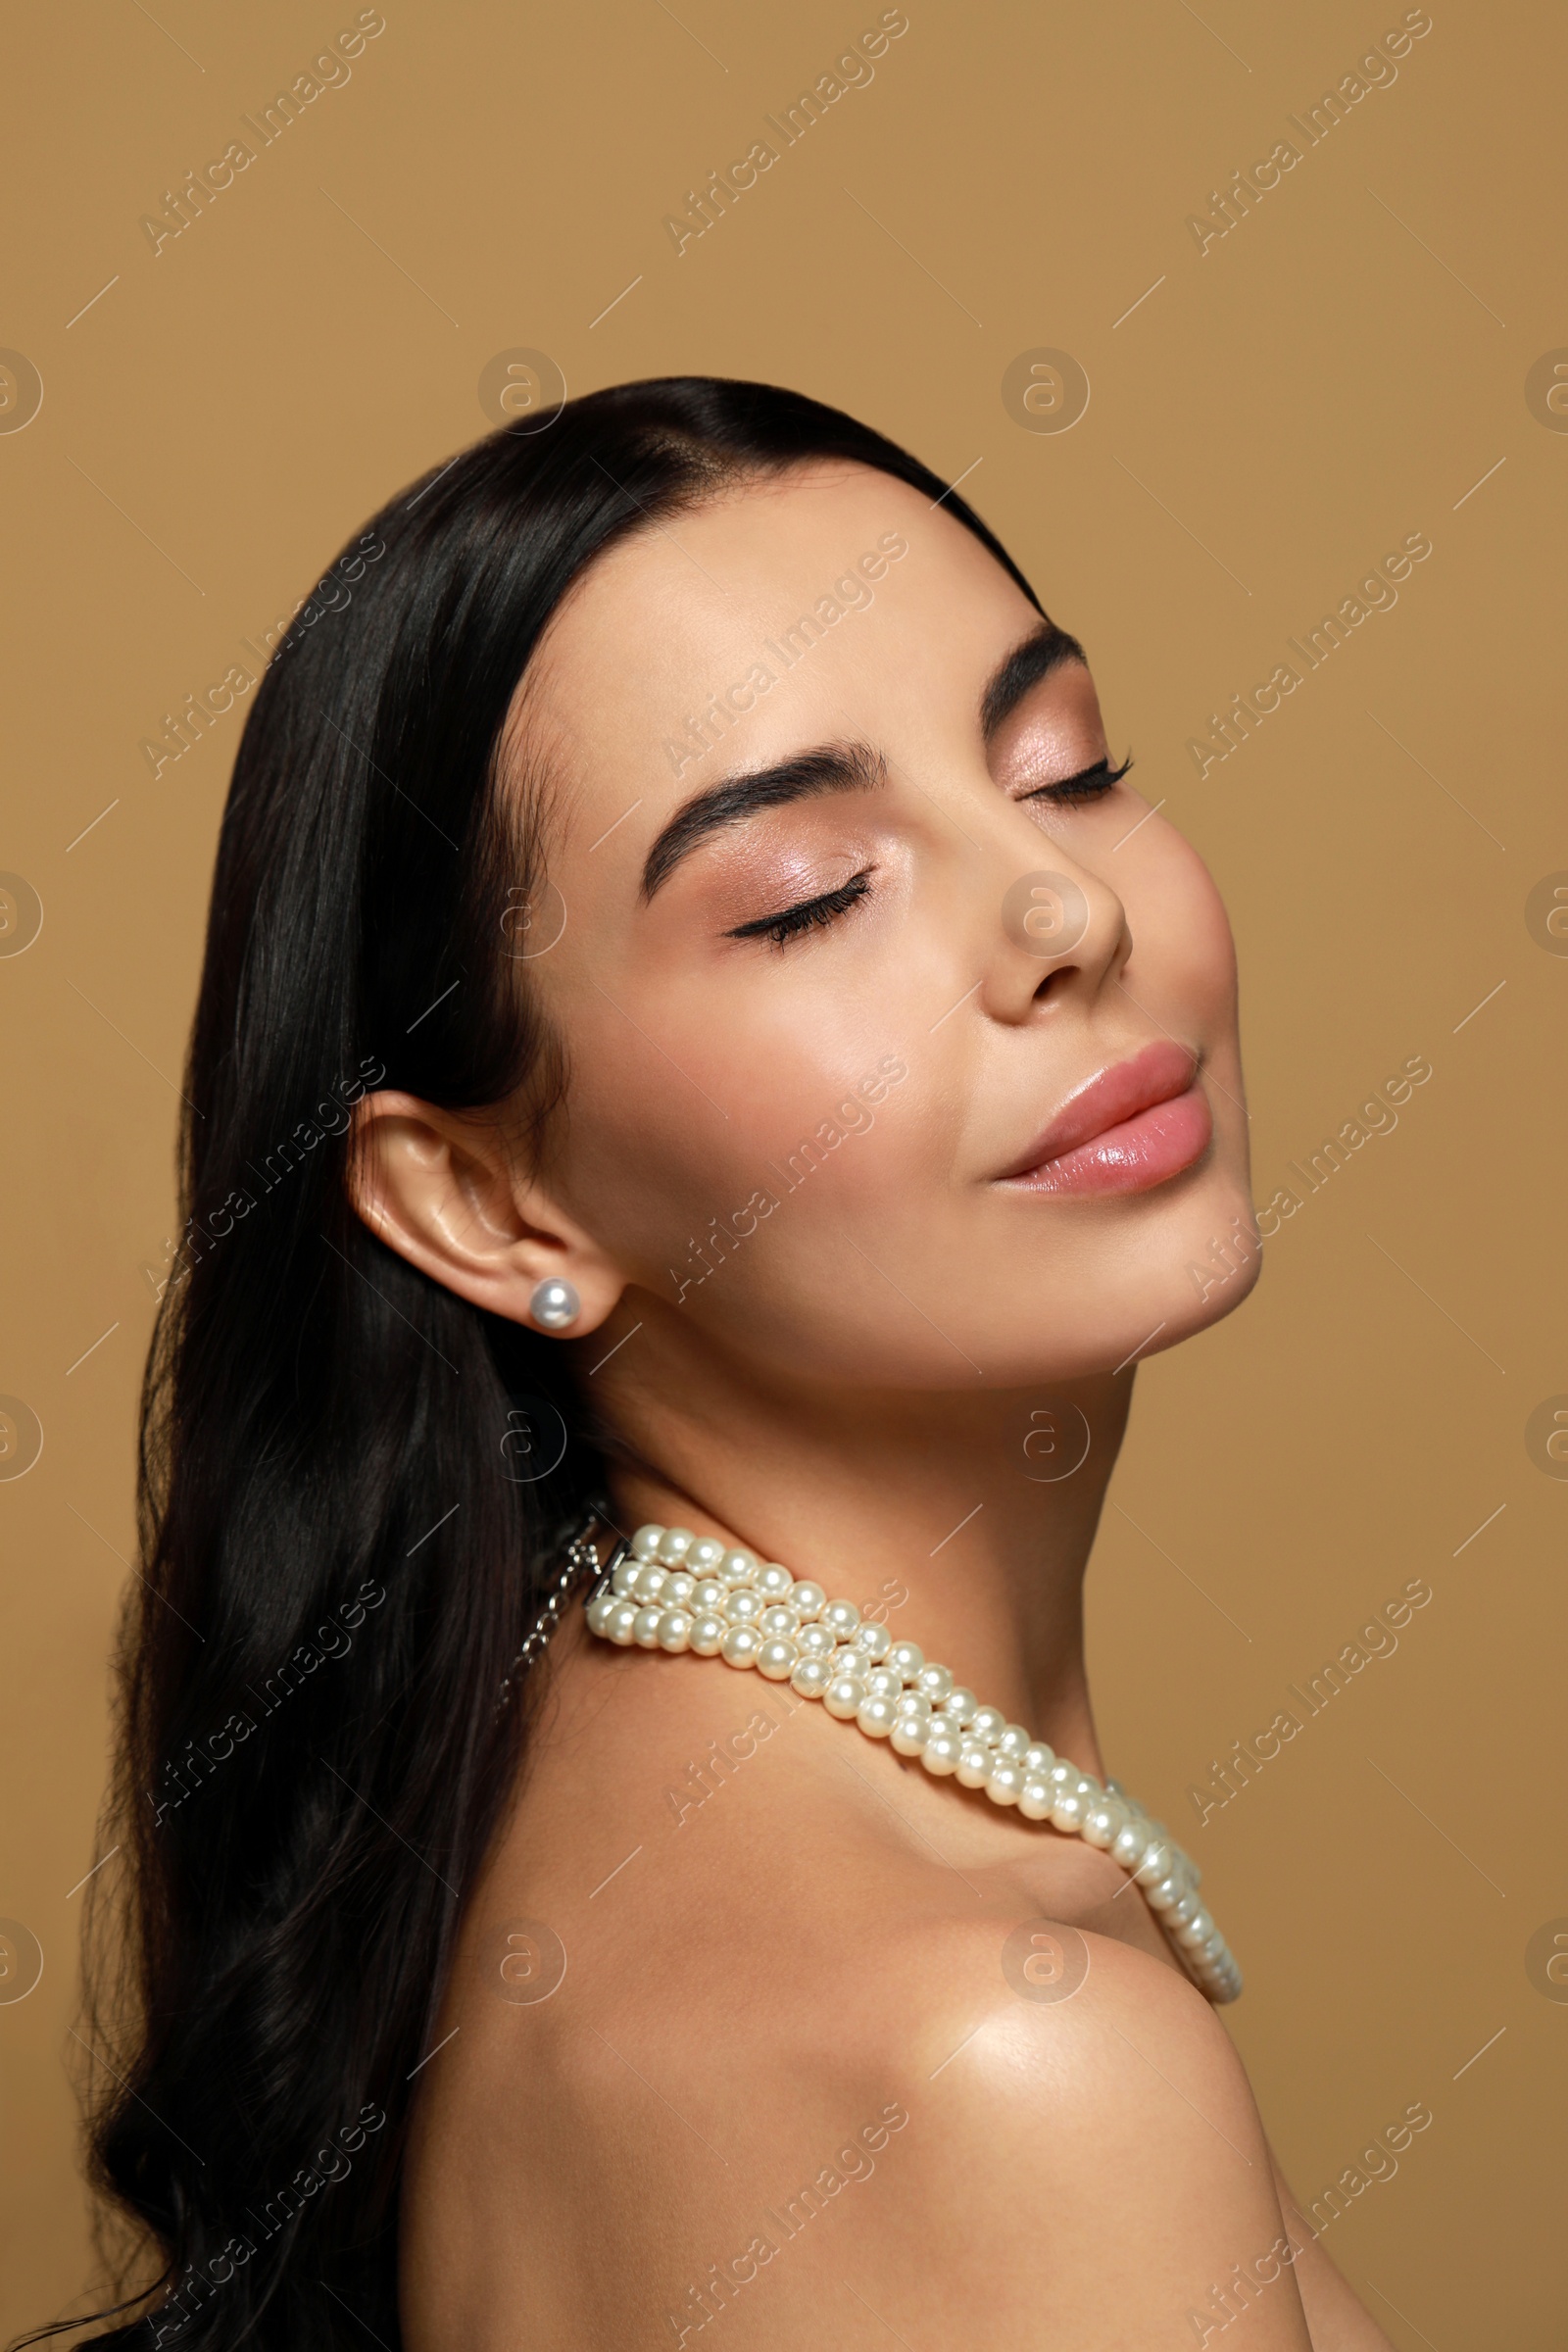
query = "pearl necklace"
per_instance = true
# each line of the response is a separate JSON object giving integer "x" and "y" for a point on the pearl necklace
{"x": 673, "y": 1591}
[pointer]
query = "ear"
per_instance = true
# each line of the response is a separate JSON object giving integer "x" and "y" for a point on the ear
{"x": 442, "y": 1188}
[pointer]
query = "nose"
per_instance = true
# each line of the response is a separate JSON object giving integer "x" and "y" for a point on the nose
{"x": 1059, "y": 931}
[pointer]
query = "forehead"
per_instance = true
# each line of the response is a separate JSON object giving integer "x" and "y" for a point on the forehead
{"x": 824, "y": 602}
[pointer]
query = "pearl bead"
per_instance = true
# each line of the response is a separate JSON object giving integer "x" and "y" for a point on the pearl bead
{"x": 875, "y": 1716}
{"x": 1039, "y": 1757}
{"x": 777, "y": 1658}
{"x": 673, "y": 1546}
{"x": 806, "y": 1600}
{"x": 678, "y": 1589}
{"x": 644, "y": 1627}
{"x": 706, "y": 1593}
{"x": 1062, "y": 1775}
{"x": 874, "y": 1641}
{"x": 674, "y": 1630}
{"x": 707, "y": 1633}
{"x": 554, "y": 1306}
{"x": 651, "y": 1582}
{"x": 842, "y": 1617}
{"x": 880, "y": 1684}
{"x": 736, "y": 1567}
{"x": 1156, "y": 1864}
{"x": 1100, "y": 1826}
{"x": 740, "y": 1645}
{"x": 909, "y": 1733}
{"x": 912, "y": 1703}
{"x": 811, "y": 1678}
{"x": 773, "y": 1582}
{"x": 1005, "y": 1785}
{"x": 1013, "y": 1742}
{"x": 988, "y": 1724}
{"x": 1036, "y": 1797}
{"x": 844, "y": 1696}
{"x": 942, "y": 1749}
{"x": 598, "y": 1611}
{"x": 1182, "y": 1911}
{"x": 975, "y": 1762}
{"x": 625, "y": 1578}
{"x": 963, "y": 1705}
{"x": 619, "y": 1622}
{"x": 778, "y": 1623}
{"x": 816, "y": 1641}
{"x": 1067, "y": 1813}
{"x": 743, "y": 1606}
{"x": 1163, "y": 1897}
{"x": 906, "y": 1658}
{"x": 1129, "y": 1847}
{"x": 934, "y": 1683}
{"x": 704, "y": 1557}
{"x": 646, "y": 1541}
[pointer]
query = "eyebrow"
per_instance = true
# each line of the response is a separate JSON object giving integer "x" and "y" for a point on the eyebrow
{"x": 831, "y": 767}
{"x": 841, "y": 767}
{"x": 1023, "y": 669}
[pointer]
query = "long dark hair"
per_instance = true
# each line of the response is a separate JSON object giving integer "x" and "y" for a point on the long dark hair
{"x": 353, "y": 1483}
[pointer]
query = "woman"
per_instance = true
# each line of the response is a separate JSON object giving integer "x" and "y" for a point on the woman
{"x": 696, "y": 1033}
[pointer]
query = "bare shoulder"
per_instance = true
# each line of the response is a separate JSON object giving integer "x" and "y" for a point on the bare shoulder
{"x": 744, "y": 2035}
{"x": 953, "y": 2120}
{"x": 1083, "y": 2158}
{"x": 1079, "y": 2154}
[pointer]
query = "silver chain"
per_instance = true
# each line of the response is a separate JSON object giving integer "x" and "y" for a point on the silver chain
{"x": 582, "y": 1560}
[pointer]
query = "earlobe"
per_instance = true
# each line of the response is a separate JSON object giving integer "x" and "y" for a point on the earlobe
{"x": 443, "y": 1190}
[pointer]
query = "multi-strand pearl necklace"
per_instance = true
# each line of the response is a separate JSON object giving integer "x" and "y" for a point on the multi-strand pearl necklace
{"x": 673, "y": 1591}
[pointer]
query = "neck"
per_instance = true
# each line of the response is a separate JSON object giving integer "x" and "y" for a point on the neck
{"x": 948, "y": 1517}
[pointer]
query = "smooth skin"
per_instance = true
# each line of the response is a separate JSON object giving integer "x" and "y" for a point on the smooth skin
{"x": 776, "y": 1948}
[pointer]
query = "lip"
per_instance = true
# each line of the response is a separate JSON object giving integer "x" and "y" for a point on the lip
{"x": 1133, "y": 1126}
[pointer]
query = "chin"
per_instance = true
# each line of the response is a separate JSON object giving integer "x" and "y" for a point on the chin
{"x": 1153, "y": 1282}
{"x": 1217, "y": 1262}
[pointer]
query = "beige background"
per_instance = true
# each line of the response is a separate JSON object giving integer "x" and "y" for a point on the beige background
{"x": 1339, "y": 370}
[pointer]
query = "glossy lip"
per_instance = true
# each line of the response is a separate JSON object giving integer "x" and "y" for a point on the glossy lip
{"x": 1133, "y": 1126}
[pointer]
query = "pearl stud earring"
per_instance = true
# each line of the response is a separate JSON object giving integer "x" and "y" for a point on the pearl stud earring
{"x": 554, "y": 1306}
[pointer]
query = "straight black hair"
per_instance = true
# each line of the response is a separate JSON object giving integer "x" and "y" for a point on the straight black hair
{"x": 353, "y": 1484}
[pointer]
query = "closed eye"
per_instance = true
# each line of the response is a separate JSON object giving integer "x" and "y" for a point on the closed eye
{"x": 1087, "y": 785}
{"x": 811, "y": 914}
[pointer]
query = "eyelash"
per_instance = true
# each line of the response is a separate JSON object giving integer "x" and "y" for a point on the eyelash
{"x": 815, "y": 915}
{"x": 811, "y": 914}
{"x": 1087, "y": 785}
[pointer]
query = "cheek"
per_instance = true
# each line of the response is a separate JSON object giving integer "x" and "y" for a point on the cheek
{"x": 1182, "y": 944}
{"x": 1182, "y": 972}
{"x": 740, "y": 1095}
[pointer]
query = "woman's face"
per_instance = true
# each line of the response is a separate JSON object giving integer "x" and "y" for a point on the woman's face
{"x": 900, "y": 1035}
